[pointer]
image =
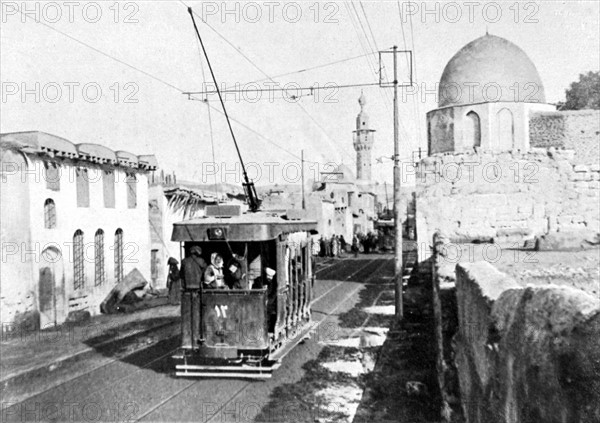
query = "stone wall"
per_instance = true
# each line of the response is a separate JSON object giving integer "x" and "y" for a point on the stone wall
{"x": 526, "y": 354}
{"x": 506, "y": 196}
{"x": 578, "y": 130}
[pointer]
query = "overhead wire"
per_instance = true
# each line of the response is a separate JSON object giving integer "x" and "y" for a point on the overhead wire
{"x": 418, "y": 106}
{"x": 415, "y": 100}
{"x": 335, "y": 147}
{"x": 181, "y": 91}
{"x": 402, "y": 128}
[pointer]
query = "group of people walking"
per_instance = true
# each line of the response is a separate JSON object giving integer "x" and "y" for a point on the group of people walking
{"x": 329, "y": 247}
{"x": 337, "y": 245}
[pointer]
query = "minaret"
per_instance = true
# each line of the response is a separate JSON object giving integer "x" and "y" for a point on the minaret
{"x": 363, "y": 142}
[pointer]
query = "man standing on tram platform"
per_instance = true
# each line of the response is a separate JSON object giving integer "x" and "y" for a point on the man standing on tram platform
{"x": 192, "y": 269}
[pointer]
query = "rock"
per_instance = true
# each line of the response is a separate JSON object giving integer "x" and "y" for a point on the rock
{"x": 78, "y": 316}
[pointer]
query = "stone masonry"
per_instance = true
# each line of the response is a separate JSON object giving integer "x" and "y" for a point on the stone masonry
{"x": 506, "y": 196}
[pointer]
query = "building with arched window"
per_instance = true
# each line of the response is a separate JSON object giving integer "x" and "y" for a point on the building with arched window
{"x": 486, "y": 96}
{"x": 62, "y": 203}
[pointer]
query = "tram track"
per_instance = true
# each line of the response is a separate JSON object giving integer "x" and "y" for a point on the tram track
{"x": 373, "y": 266}
{"x": 223, "y": 406}
{"x": 111, "y": 361}
{"x": 156, "y": 358}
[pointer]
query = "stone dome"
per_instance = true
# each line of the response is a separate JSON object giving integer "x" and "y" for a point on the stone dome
{"x": 490, "y": 69}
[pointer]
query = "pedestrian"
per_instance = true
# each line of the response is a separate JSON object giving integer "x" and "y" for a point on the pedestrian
{"x": 327, "y": 248}
{"x": 342, "y": 243}
{"x": 355, "y": 245}
{"x": 335, "y": 246}
{"x": 174, "y": 281}
{"x": 315, "y": 247}
{"x": 323, "y": 247}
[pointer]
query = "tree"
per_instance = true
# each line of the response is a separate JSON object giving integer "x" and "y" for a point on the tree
{"x": 585, "y": 93}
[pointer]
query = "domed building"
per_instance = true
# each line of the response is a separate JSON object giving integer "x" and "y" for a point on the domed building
{"x": 486, "y": 94}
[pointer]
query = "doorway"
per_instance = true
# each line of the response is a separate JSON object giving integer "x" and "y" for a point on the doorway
{"x": 51, "y": 288}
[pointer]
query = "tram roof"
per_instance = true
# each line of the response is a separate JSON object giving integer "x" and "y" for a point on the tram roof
{"x": 259, "y": 226}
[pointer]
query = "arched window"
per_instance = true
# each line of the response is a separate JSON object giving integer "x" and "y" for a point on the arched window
{"x": 506, "y": 130}
{"x": 118, "y": 255}
{"x": 49, "y": 214}
{"x": 472, "y": 130}
{"x": 99, "y": 257}
{"x": 78, "y": 261}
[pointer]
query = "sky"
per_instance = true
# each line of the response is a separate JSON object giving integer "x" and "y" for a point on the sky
{"x": 114, "y": 73}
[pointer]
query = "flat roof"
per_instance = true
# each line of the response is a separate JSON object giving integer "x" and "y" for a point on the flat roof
{"x": 259, "y": 226}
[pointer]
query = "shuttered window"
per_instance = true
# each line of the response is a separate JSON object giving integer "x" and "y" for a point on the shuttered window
{"x": 131, "y": 182}
{"x": 52, "y": 176}
{"x": 83, "y": 188}
{"x": 108, "y": 185}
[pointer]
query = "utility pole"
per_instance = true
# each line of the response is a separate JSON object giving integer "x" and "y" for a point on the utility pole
{"x": 302, "y": 173}
{"x": 397, "y": 200}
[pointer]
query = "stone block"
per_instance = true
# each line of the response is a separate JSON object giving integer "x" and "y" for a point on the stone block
{"x": 564, "y": 220}
{"x": 595, "y": 167}
{"x": 572, "y": 240}
{"x": 581, "y": 168}
{"x": 581, "y": 177}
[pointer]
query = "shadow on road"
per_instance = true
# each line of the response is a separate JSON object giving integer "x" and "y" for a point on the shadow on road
{"x": 146, "y": 343}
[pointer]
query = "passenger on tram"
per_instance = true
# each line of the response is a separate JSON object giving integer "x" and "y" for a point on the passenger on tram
{"x": 234, "y": 277}
{"x": 213, "y": 275}
{"x": 260, "y": 283}
{"x": 192, "y": 269}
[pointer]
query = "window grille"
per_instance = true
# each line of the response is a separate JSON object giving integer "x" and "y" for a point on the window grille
{"x": 49, "y": 214}
{"x": 118, "y": 255}
{"x": 99, "y": 257}
{"x": 78, "y": 260}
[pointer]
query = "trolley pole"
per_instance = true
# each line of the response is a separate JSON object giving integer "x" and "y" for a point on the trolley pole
{"x": 397, "y": 200}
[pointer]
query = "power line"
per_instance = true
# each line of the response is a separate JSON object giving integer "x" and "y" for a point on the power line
{"x": 271, "y": 79}
{"x": 259, "y": 90}
{"x": 314, "y": 67}
{"x": 418, "y": 106}
{"x": 166, "y": 84}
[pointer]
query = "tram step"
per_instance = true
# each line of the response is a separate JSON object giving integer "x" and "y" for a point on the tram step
{"x": 241, "y": 368}
{"x": 225, "y": 375}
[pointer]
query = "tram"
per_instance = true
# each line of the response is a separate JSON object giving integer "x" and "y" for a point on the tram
{"x": 245, "y": 331}
{"x": 244, "y": 328}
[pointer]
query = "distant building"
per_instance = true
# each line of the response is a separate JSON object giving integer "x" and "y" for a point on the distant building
{"x": 355, "y": 200}
{"x": 170, "y": 202}
{"x": 487, "y": 93}
{"x": 363, "y": 142}
{"x": 74, "y": 223}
